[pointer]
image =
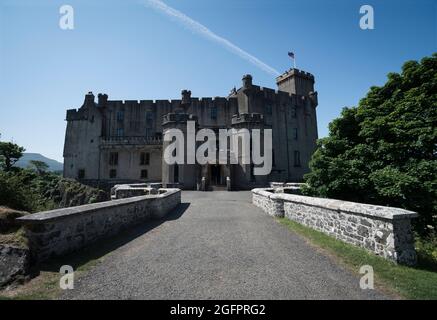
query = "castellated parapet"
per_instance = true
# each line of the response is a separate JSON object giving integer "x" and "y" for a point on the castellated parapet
{"x": 296, "y": 82}
{"x": 120, "y": 141}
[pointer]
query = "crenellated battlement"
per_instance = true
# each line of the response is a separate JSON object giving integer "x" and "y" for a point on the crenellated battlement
{"x": 296, "y": 81}
{"x": 76, "y": 115}
{"x": 296, "y": 73}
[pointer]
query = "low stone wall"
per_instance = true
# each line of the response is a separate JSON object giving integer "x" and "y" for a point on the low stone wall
{"x": 133, "y": 190}
{"x": 57, "y": 232}
{"x": 287, "y": 187}
{"x": 385, "y": 231}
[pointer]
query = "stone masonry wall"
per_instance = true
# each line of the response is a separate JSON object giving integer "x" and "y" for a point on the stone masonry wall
{"x": 385, "y": 231}
{"x": 14, "y": 265}
{"x": 57, "y": 232}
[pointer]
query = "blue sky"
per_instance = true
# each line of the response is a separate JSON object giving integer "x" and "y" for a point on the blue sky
{"x": 131, "y": 51}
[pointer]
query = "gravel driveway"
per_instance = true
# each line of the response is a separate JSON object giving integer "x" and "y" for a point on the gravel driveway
{"x": 218, "y": 246}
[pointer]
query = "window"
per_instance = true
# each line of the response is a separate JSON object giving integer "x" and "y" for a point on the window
{"x": 252, "y": 173}
{"x": 176, "y": 174}
{"x": 81, "y": 174}
{"x": 213, "y": 112}
{"x": 120, "y": 132}
{"x": 120, "y": 115}
{"x": 295, "y": 132}
{"x": 144, "y": 174}
{"x": 297, "y": 159}
{"x": 144, "y": 159}
{"x": 294, "y": 112}
{"x": 268, "y": 109}
{"x": 113, "y": 159}
{"x": 112, "y": 174}
{"x": 149, "y": 120}
{"x": 273, "y": 159}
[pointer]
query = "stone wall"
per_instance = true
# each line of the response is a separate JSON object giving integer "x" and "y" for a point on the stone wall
{"x": 14, "y": 265}
{"x": 121, "y": 191}
{"x": 57, "y": 232}
{"x": 385, "y": 231}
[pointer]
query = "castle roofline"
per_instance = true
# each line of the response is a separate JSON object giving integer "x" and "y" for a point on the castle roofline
{"x": 294, "y": 72}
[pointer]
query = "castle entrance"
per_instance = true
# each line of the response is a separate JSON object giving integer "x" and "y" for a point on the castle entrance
{"x": 216, "y": 176}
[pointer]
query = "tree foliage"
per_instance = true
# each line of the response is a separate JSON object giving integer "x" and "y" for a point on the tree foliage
{"x": 39, "y": 166}
{"x": 36, "y": 189}
{"x": 385, "y": 150}
{"x": 9, "y": 154}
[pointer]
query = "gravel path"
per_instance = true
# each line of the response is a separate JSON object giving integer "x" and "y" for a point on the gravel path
{"x": 218, "y": 246}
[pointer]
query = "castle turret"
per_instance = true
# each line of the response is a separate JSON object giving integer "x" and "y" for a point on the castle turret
{"x": 102, "y": 99}
{"x": 247, "y": 82}
{"x": 296, "y": 82}
{"x": 186, "y": 97}
{"x": 89, "y": 99}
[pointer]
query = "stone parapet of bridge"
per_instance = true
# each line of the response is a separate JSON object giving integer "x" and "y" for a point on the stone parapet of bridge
{"x": 58, "y": 232}
{"x": 385, "y": 231}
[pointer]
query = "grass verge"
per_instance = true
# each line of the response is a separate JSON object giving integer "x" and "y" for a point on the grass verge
{"x": 410, "y": 283}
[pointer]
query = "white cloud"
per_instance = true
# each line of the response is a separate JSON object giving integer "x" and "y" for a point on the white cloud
{"x": 208, "y": 34}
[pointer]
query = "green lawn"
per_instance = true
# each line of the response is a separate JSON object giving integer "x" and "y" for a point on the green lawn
{"x": 410, "y": 283}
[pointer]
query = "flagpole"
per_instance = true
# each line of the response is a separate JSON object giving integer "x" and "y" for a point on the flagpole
{"x": 292, "y": 56}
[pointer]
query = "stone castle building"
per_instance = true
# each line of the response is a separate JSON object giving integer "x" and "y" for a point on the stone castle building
{"x": 113, "y": 142}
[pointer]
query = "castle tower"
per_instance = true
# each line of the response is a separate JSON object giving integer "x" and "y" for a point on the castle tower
{"x": 296, "y": 82}
{"x": 183, "y": 175}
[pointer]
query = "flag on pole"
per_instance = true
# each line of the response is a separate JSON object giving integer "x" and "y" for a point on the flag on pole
{"x": 291, "y": 55}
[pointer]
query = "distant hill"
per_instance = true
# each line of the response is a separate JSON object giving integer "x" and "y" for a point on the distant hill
{"x": 53, "y": 164}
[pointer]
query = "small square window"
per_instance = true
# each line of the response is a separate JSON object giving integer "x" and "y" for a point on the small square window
{"x": 120, "y": 116}
{"x": 213, "y": 112}
{"x": 296, "y": 158}
{"x": 149, "y": 120}
{"x": 113, "y": 159}
{"x": 81, "y": 174}
{"x": 144, "y": 159}
{"x": 144, "y": 174}
{"x": 112, "y": 174}
{"x": 120, "y": 132}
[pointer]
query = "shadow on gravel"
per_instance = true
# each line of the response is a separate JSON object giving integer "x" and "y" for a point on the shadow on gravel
{"x": 102, "y": 247}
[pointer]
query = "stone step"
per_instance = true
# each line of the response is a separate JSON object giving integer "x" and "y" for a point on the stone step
{"x": 218, "y": 188}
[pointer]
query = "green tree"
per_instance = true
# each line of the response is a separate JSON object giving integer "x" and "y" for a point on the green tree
{"x": 40, "y": 166}
{"x": 385, "y": 150}
{"x": 9, "y": 154}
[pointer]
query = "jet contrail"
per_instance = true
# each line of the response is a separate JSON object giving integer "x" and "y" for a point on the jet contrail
{"x": 204, "y": 31}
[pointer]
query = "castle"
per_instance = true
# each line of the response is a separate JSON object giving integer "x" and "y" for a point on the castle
{"x": 111, "y": 142}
